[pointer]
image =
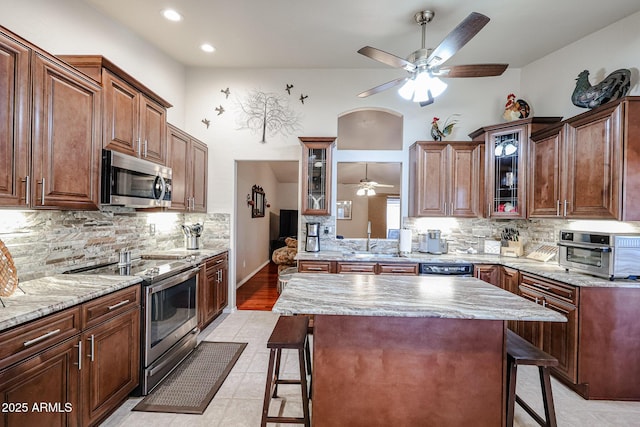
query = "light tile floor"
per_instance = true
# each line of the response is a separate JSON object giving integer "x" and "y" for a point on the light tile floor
{"x": 238, "y": 403}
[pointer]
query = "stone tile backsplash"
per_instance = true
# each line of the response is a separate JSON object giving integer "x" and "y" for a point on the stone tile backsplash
{"x": 49, "y": 242}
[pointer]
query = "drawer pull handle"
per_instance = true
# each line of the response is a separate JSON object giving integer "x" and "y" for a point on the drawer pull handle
{"x": 79, "y": 347}
{"x": 92, "y": 339}
{"x": 219, "y": 261}
{"x": 41, "y": 337}
{"x": 118, "y": 305}
{"x": 314, "y": 268}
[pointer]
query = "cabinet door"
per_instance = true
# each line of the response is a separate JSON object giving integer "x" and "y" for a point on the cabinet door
{"x": 592, "y": 156}
{"x": 530, "y": 331}
{"x": 464, "y": 180}
{"x": 121, "y": 125}
{"x": 430, "y": 197}
{"x": 199, "y": 158}
{"x": 111, "y": 365}
{"x": 178, "y": 161}
{"x": 50, "y": 376}
{"x": 559, "y": 339}
{"x": 544, "y": 177}
{"x": 207, "y": 296}
{"x": 153, "y": 131}
{"x": 506, "y": 172}
{"x": 66, "y": 137}
{"x": 222, "y": 290}
{"x": 489, "y": 273}
{"x": 509, "y": 281}
{"x": 316, "y": 175}
{"x": 14, "y": 122}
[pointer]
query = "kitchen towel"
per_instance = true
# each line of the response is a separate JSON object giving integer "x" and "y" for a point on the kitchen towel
{"x": 405, "y": 241}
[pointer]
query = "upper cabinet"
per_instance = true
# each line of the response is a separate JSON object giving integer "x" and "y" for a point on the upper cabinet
{"x": 506, "y": 160}
{"x": 135, "y": 118}
{"x": 51, "y": 147}
{"x": 445, "y": 179}
{"x": 188, "y": 162}
{"x": 316, "y": 175}
{"x": 586, "y": 167}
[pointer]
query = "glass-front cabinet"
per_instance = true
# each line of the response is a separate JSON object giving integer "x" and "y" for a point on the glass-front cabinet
{"x": 506, "y": 172}
{"x": 316, "y": 175}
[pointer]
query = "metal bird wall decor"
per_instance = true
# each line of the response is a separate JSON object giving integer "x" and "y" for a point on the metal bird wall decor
{"x": 303, "y": 97}
{"x": 288, "y": 88}
{"x": 226, "y": 92}
{"x": 614, "y": 86}
{"x": 219, "y": 109}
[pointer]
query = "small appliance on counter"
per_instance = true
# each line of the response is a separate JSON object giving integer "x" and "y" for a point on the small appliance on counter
{"x": 432, "y": 243}
{"x": 608, "y": 255}
{"x": 404, "y": 245}
{"x": 192, "y": 235}
{"x": 313, "y": 237}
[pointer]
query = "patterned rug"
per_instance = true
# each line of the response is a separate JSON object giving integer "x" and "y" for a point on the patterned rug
{"x": 191, "y": 386}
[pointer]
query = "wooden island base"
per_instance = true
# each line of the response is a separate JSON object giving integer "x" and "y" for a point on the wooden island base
{"x": 408, "y": 371}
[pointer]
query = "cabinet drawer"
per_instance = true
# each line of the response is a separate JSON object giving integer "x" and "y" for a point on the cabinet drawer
{"x": 559, "y": 290}
{"x": 216, "y": 261}
{"x": 315, "y": 266}
{"x": 356, "y": 267}
{"x": 397, "y": 268}
{"x": 25, "y": 340}
{"x": 108, "y": 306}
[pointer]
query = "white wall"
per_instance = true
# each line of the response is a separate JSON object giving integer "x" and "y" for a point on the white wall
{"x": 288, "y": 195}
{"x": 74, "y": 27}
{"x": 548, "y": 83}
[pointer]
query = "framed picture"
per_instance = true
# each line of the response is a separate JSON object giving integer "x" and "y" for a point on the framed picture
{"x": 343, "y": 209}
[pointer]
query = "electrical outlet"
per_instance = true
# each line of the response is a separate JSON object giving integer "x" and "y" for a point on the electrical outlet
{"x": 152, "y": 229}
{"x": 327, "y": 230}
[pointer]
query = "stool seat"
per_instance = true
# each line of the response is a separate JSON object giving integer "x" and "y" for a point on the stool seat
{"x": 290, "y": 333}
{"x": 522, "y": 352}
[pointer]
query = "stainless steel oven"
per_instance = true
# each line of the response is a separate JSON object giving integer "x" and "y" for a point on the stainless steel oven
{"x": 607, "y": 255}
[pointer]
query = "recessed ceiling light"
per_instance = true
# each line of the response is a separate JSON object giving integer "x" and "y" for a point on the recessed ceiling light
{"x": 172, "y": 15}
{"x": 207, "y": 47}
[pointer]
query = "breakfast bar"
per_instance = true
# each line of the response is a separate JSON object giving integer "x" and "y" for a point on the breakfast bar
{"x": 407, "y": 350}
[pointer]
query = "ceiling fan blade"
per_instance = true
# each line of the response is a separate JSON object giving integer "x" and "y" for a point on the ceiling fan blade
{"x": 384, "y": 185}
{"x": 457, "y": 38}
{"x": 386, "y": 58}
{"x": 383, "y": 86}
{"x": 469, "y": 70}
{"x": 427, "y": 102}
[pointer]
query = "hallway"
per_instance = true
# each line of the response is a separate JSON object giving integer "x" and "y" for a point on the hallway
{"x": 260, "y": 292}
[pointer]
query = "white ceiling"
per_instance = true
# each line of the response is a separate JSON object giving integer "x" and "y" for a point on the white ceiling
{"x": 327, "y": 33}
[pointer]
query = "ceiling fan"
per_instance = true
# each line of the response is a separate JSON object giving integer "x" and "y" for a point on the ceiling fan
{"x": 426, "y": 66}
{"x": 367, "y": 187}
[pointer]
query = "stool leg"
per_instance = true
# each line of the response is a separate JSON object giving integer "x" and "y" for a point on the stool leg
{"x": 511, "y": 396}
{"x": 308, "y": 358}
{"x": 267, "y": 390}
{"x": 547, "y": 397}
{"x": 277, "y": 372}
{"x": 303, "y": 386}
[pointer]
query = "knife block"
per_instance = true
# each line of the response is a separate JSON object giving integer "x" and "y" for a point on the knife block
{"x": 515, "y": 249}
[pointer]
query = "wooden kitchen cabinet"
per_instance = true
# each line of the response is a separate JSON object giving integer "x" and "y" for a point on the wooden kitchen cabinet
{"x": 187, "y": 159}
{"x": 396, "y": 268}
{"x": 356, "y": 267}
{"x": 135, "y": 118}
{"x": 585, "y": 166}
{"x": 316, "y": 175}
{"x": 316, "y": 266}
{"x": 510, "y": 281}
{"x": 445, "y": 179}
{"x": 506, "y": 147}
{"x": 489, "y": 273}
{"x": 212, "y": 289}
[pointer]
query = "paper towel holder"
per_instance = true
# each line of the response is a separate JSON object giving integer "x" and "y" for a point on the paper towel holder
{"x": 404, "y": 242}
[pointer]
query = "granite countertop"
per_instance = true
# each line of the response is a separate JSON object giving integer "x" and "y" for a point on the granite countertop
{"x": 449, "y": 297}
{"x": 179, "y": 253}
{"x": 40, "y": 297}
{"x": 550, "y": 270}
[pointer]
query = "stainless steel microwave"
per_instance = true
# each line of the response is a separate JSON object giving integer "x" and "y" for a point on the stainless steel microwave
{"x": 132, "y": 182}
{"x": 608, "y": 255}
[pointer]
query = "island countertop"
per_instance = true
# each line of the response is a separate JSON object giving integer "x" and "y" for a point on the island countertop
{"x": 406, "y": 296}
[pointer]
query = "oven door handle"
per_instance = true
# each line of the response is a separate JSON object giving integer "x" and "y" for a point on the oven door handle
{"x": 172, "y": 281}
{"x": 591, "y": 248}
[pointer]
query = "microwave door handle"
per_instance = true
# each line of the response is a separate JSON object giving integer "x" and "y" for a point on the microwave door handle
{"x": 163, "y": 188}
{"x": 591, "y": 248}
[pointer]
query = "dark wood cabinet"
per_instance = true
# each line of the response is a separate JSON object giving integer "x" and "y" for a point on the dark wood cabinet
{"x": 445, "y": 179}
{"x": 212, "y": 289}
{"x": 316, "y": 266}
{"x": 510, "y": 281}
{"x": 188, "y": 161}
{"x": 15, "y": 121}
{"x": 489, "y": 273}
{"x": 135, "y": 118}
{"x": 316, "y": 175}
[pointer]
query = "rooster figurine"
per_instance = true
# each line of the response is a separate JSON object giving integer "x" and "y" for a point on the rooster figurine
{"x": 515, "y": 109}
{"x": 614, "y": 86}
{"x": 436, "y": 133}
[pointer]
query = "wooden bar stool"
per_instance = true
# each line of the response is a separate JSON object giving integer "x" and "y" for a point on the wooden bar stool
{"x": 290, "y": 333}
{"x": 521, "y": 352}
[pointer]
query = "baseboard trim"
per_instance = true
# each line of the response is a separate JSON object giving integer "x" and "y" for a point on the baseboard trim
{"x": 253, "y": 273}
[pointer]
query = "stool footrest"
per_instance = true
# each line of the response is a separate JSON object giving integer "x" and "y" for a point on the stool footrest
{"x": 288, "y": 382}
{"x": 285, "y": 420}
{"x": 530, "y": 411}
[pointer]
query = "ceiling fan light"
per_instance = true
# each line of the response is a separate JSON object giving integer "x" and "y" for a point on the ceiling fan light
{"x": 437, "y": 87}
{"x": 406, "y": 90}
{"x": 360, "y": 192}
{"x": 371, "y": 192}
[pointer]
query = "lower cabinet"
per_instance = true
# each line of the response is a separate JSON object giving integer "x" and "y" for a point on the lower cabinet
{"x": 212, "y": 289}
{"x": 75, "y": 380}
{"x": 359, "y": 267}
{"x": 489, "y": 273}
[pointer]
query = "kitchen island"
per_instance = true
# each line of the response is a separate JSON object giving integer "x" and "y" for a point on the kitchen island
{"x": 407, "y": 350}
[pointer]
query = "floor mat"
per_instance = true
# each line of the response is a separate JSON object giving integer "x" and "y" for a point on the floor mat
{"x": 191, "y": 386}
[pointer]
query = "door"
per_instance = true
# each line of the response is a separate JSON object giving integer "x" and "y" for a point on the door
{"x": 66, "y": 137}
{"x": 50, "y": 377}
{"x": 430, "y": 197}
{"x": 121, "y": 115}
{"x": 560, "y": 338}
{"x": 111, "y": 364}
{"x": 464, "y": 179}
{"x": 14, "y": 122}
{"x": 178, "y": 148}
{"x": 199, "y": 155}
{"x": 153, "y": 131}
{"x": 544, "y": 171}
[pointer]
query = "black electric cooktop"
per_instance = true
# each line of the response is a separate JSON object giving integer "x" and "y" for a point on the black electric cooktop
{"x": 151, "y": 270}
